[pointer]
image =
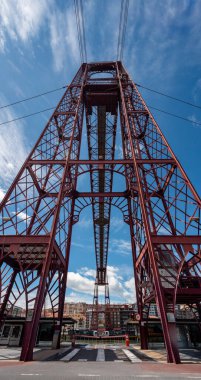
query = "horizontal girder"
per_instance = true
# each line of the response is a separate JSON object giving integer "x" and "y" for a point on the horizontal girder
{"x": 159, "y": 204}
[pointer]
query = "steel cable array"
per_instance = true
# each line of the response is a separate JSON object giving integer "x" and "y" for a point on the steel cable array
{"x": 79, "y": 15}
{"x": 150, "y": 106}
{"x": 122, "y": 29}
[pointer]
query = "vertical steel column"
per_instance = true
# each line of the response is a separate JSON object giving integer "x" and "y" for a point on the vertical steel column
{"x": 168, "y": 330}
{"x": 160, "y": 205}
{"x": 31, "y": 326}
{"x": 73, "y": 173}
{"x": 129, "y": 178}
{"x": 46, "y": 232}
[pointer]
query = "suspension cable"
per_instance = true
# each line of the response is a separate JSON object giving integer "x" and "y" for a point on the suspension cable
{"x": 168, "y": 96}
{"x": 78, "y": 30}
{"x": 83, "y": 30}
{"x": 32, "y": 97}
{"x": 149, "y": 106}
{"x": 79, "y": 15}
{"x": 122, "y": 28}
{"x": 137, "y": 84}
{"x": 119, "y": 35}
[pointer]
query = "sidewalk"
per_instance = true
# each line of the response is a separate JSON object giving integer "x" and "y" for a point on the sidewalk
{"x": 188, "y": 356}
{"x": 40, "y": 353}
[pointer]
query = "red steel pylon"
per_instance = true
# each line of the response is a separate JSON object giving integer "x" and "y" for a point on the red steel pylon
{"x": 101, "y": 313}
{"x": 158, "y": 203}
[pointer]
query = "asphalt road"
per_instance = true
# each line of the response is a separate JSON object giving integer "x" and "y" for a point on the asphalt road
{"x": 101, "y": 362}
{"x": 98, "y": 370}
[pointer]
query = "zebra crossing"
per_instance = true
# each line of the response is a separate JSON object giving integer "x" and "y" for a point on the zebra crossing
{"x": 100, "y": 354}
{"x": 133, "y": 358}
{"x": 70, "y": 355}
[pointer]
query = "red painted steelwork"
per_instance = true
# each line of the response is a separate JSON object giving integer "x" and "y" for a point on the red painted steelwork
{"x": 159, "y": 204}
{"x": 176, "y": 212}
{"x": 41, "y": 226}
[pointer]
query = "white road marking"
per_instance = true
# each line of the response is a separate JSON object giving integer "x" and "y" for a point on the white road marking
{"x": 71, "y": 355}
{"x": 131, "y": 356}
{"x": 185, "y": 356}
{"x": 100, "y": 355}
{"x": 155, "y": 376}
{"x": 30, "y": 374}
{"x": 83, "y": 375}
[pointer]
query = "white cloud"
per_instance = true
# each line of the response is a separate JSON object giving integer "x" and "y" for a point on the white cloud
{"x": 82, "y": 285}
{"x": 2, "y": 194}
{"x": 13, "y": 146}
{"x": 130, "y": 283}
{"x": 63, "y": 37}
{"x": 174, "y": 31}
{"x": 21, "y": 19}
{"x": 120, "y": 246}
{"x": 108, "y": 48}
{"x": 21, "y": 215}
{"x": 117, "y": 223}
{"x": 88, "y": 272}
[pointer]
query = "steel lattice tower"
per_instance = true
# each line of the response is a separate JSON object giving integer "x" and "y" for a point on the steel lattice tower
{"x": 103, "y": 310}
{"x": 159, "y": 204}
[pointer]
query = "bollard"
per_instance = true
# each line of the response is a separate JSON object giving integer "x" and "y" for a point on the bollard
{"x": 127, "y": 340}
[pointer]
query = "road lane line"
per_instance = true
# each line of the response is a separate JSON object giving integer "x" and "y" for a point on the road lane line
{"x": 71, "y": 355}
{"x": 155, "y": 376}
{"x": 131, "y": 356}
{"x": 100, "y": 355}
{"x": 87, "y": 375}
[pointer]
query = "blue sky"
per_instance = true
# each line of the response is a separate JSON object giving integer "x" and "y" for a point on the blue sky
{"x": 39, "y": 52}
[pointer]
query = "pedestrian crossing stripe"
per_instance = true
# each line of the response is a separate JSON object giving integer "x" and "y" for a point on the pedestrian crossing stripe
{"x": 71, "y": 355}
{"x": 122, "y": 355}
{"x": 131, "y": 356}
{"x": 100, "y": 355}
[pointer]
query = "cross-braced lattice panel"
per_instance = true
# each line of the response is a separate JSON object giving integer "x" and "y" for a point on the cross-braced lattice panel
{"x": 147, "y": 139}
{"x": 55, "y": 287}
{"x": 10, "y": 276}
{"x": 190, "y": 268}
{"x": 138, "y": 226}
{"x": 144, "y": 280}
{"x": 171, "y": 205}
{"x": 30, "y": 203}
{"x": 174, "y": 209}
{"x": 62, "y": 230}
